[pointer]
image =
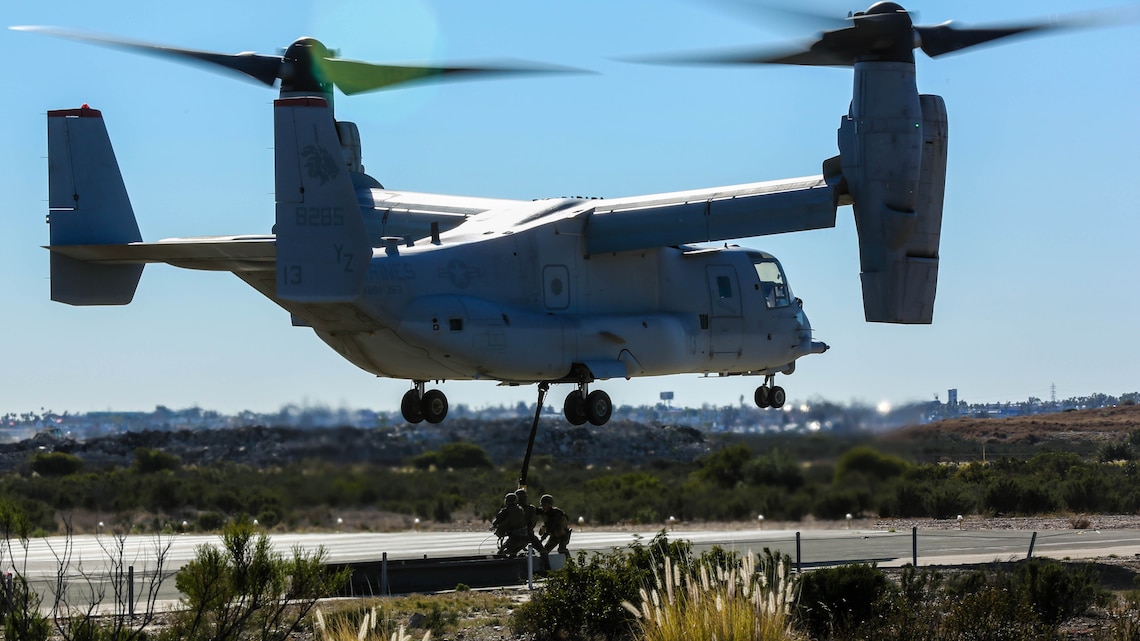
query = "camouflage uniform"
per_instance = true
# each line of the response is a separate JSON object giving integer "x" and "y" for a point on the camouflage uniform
{"x": 531, "y": 521}
{"x": 556, "y": 525}
{"x": 511, "y": 524}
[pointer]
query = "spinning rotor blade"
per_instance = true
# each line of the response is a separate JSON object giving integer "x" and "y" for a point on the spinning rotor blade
{"x": 886, "y": 32}
{"x": 262, "y": 68}
{"x": 306, "y": 66}
{"x": 946, "y": 38}
{"x": 353, "y": 77}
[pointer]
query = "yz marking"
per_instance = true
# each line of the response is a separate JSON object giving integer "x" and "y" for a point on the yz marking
{"x": 340, "y": 253}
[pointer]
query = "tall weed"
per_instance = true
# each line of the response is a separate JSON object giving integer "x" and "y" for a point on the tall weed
{"x": 718, "y": 598}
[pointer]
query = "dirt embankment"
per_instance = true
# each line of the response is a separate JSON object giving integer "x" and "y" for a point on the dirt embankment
{"x": 1100, "y": 425}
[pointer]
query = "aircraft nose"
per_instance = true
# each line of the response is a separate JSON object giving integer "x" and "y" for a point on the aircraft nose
{"x": 807, "y": 345}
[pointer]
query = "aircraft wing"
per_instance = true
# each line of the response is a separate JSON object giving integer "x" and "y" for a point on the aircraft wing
{"x": 214, "y": 253}
{"x": 411, "y": 214}
{"x": 718, "y": 213}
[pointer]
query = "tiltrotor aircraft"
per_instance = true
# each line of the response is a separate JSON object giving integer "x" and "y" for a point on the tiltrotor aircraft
{"x": 429, "y": 287}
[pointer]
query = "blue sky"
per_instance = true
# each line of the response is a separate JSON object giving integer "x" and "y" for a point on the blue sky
{"x": 1037, "y": 285}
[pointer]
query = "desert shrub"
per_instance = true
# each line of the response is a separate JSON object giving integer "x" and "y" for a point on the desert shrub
{"x": 1053, "y": 591}
{"x": 837, "y": 502}
{"x": 1002, "y": 496}
{"x": 1054, "y": 464}
{"x": 870, "y": 463}
{"x": 229, "y": 592}
{"x": 725, "y": 467}
{"x": 909, "y": 500}
{"x": 459, "y": 456}
{"x": 22, "y": 617}
{"x": 774, "y": 468}
{"x": 1057, "y": 592}
{"x": 149, "y": 461}
{"x": 839, "y": 600}
{"x": 208, "y": 521}
{"x": 1086, "y": 490}
{"x": 1110, "y": 452}
{"x": 946, "y": 500}
{"x": 583, "y": 599}
{"x": 55, "y": 463}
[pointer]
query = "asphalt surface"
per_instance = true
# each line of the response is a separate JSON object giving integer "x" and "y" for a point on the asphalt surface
{"x": 91, "y": 555}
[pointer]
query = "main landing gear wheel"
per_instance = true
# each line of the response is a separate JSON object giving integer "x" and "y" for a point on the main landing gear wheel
{"x": 411, "y": 408}
{"x": 761, "y": 397}
{"x": 418, "y": 405}
{"x": 769, "y": 395}
{"x": 599, "y": 408}
{"x": 776, "y": 396}
{"x": 574, "y": 408}
{"x": 433, "y": 406}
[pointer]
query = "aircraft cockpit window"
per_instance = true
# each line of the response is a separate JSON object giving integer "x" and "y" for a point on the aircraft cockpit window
{"x": 772, "y": 284}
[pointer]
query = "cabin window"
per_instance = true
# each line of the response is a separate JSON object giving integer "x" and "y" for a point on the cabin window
{"x": 772, "y": 284}
{"x": 724, "y": 287}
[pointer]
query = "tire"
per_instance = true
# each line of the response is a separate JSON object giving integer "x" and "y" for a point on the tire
{"x": 599, "y": 408}
{"x": 761, "y": 397}
{"x": 411, "y": 407}
{"x": 434, "y": 406}
{"x": 574, "y": 408}
{"x": 777, "y": 397}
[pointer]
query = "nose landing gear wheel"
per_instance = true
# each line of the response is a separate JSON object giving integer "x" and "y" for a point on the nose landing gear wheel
{"x": 599, "y": 408}
{"x": 433, "y": 406}
{"x": 411, "y": 407}
{"x": 575, "y": 408}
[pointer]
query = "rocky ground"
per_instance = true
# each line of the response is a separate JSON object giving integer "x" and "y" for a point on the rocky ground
{"x": 504, "y": 441}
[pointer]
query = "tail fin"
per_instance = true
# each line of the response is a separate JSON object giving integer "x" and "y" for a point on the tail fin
{"x": 88, "y": 205}
{"x": 323, "y": 251}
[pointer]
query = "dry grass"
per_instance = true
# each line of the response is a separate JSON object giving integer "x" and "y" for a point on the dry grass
{"x": 391, "y": 618}
{"x": 716, "y": 602}
{"x": 373, "y": 627}
{"x": 1109, "y": 423}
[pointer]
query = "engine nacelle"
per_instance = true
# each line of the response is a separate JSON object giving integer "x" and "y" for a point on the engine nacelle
{"x": 893, "y": 157}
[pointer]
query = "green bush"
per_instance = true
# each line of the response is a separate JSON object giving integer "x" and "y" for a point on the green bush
{"x": 774, "y": 468}
{"x": 725, "y": 467}
{"x": 244, "y": 587}
{"x": 458, "y": 456}
{"x": 839, "y": 600}
{"x": 56, "y": 463}
{"x": 149, "y": 461}
{"x": 583, "y": 599}
{"x": 870, "y": 463}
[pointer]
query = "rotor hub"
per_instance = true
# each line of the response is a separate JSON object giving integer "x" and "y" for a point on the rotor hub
{"x": 302, "y": 71}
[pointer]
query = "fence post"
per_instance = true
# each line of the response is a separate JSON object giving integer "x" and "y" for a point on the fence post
{"x": 799, "y": 565}
{"x": 384, "y": 575}
{"x": 1032, "y": 540}
{"x": 914, "y": 546}
{"x": 131, "y": 590}
{"x": 530, "y": 566}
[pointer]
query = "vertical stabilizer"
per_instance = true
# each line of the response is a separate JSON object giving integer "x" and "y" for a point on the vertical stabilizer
{"x": 323, "y": 251}
{"x": 88, "y": 205}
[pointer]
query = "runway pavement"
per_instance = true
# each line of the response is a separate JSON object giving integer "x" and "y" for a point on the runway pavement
{"x": 41, "y": 560}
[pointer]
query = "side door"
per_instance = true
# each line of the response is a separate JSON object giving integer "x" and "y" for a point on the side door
{"x": 726, "y": 320}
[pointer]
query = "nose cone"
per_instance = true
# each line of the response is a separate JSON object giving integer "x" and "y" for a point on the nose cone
{"x": 806, "y": 344}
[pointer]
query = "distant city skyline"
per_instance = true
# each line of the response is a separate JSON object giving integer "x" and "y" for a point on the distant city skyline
{"x": 1036, "y": 286}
